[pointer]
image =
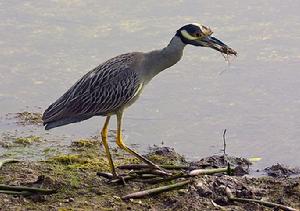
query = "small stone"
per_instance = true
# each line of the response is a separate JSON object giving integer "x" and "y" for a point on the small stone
{"x": 183, "y": 191}
{"x": 5, "y": 200}
{"x": 117, "y": 197}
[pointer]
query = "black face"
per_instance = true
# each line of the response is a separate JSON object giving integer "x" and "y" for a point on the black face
{"x": 199, "y": 35}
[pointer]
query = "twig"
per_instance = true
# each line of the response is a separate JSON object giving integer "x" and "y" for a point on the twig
{"x": 145, "y": 166}
{"x": 122, "y": 179}
{"x": 105, "y": 175}
{"x": 224, "y": 142}
{"x": 145, "y": 193}
{"x": 152, "y": 171}
{"x": 27, "y": 189}
{"x": 197, "y": 172}
{"x": 131, "y": 176}
{"x": 192, "y": 173}
{"x": 152, "y": 177}
{"x": 265, "y": 203}
{"x": 23, "y": 193}
{"x": 224, "y": 146}
{"x": 166, "y": 179}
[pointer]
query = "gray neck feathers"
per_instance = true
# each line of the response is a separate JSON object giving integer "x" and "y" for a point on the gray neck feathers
{"x": 159, "y": 60}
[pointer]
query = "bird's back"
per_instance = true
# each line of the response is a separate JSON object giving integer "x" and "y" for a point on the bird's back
{"x": 103, "y": 90}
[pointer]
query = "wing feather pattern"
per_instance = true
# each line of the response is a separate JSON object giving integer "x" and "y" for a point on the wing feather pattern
{"x": 103, "y": 90}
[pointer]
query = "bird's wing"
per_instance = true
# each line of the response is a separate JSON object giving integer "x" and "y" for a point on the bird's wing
{"x": 103, "y": 90}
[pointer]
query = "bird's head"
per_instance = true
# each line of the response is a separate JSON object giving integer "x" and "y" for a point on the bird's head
{"x": 199, "y": 35}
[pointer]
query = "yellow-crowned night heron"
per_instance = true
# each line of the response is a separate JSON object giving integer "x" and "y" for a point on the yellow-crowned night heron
{"x": 117, "y": 83}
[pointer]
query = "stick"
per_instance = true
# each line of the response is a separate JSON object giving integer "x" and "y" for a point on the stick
{"x": 197, "y": 172}
{"x": 192, "y": 173}
{"x": 105, "y": 175}
{"x": 265, "y": 203}
{"x": 143, "y": 166}
{"x": 144, "y": 193}
{"x": 157, "y": 172}
{"x": 130, "y": 176}
{"x": 153, "y": 177}
{"x": 27, "y": 189}
{"x": 166, "y": 179}
{"x": 224, "y": 142}
{"x": 122, "y": 179}
{"x": 23, "y": 193}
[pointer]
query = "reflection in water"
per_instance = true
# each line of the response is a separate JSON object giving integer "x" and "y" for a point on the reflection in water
{"x": 46, "y": 46}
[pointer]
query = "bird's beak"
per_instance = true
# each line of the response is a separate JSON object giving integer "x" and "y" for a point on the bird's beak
{"x": 216, "y": 44}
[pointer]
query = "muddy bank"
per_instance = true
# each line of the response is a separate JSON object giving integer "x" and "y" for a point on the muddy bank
{"x": 74, "y": 178}
{"x": 73, "y": 174}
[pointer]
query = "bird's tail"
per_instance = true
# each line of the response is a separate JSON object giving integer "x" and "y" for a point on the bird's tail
{"x": 57, "y": 123}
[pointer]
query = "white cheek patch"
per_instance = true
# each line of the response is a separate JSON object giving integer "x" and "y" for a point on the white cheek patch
{"x": 186, "y": 35}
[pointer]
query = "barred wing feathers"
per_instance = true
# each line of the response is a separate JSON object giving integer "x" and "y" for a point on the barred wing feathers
{"x": 102, "y": 91}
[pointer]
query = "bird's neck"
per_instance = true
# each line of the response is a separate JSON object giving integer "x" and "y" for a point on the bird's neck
{"x": 159, "y": 60}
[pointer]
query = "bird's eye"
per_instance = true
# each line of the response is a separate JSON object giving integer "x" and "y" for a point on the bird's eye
{"x": 197, "y": 34}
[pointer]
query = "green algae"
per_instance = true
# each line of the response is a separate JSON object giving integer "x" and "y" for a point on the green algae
{"x": 85, "y": 143}
{"x": 81, "y": 161}
{"x": 27, "y": 140}
{"x": 32, "y": 118}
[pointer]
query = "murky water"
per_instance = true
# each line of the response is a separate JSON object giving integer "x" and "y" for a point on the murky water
{"x": 45, "y": 46}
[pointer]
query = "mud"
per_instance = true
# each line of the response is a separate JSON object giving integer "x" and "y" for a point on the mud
{"x": 74, "y": 177}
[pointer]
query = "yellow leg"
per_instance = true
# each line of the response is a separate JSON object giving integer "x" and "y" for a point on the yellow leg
{"x": 121, "y": 144}
{"x": 106, "y": 147}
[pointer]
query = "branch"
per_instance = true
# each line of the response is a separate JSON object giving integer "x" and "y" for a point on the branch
{"x": 23, "y": 193}
{"x": 197, "y": 172}
{"x": 21, "y": 189}
{"x": 144, "y": 166}
{"x": 165, "y": 179}
{"x": 193, "y": 173}
{"x": 265, "y": 203}
{"x": 224, "y": 142}
{"x": 105, "y": 175}
{"x": 158, "y": 190}
{"x": 153, "y": 177}
{"x": 137, "y": 176}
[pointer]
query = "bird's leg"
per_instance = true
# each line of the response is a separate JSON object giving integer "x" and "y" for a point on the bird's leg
{"x": 104, "y": 133}
{"x": 121, "y": 144}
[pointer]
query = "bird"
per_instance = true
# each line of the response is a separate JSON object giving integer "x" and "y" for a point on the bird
{"x": 110, "y": 88}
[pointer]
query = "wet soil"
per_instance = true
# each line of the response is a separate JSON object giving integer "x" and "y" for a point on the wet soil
{"x": 73, "y": 176}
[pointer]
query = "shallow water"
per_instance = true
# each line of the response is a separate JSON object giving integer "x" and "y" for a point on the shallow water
{"x": 45, "y": 46}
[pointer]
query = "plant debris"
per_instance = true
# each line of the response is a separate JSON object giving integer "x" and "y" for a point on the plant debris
{"x": 27, "y": 140}
{"x": 29, "y": 118}
{"x": 74, "y": 177}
